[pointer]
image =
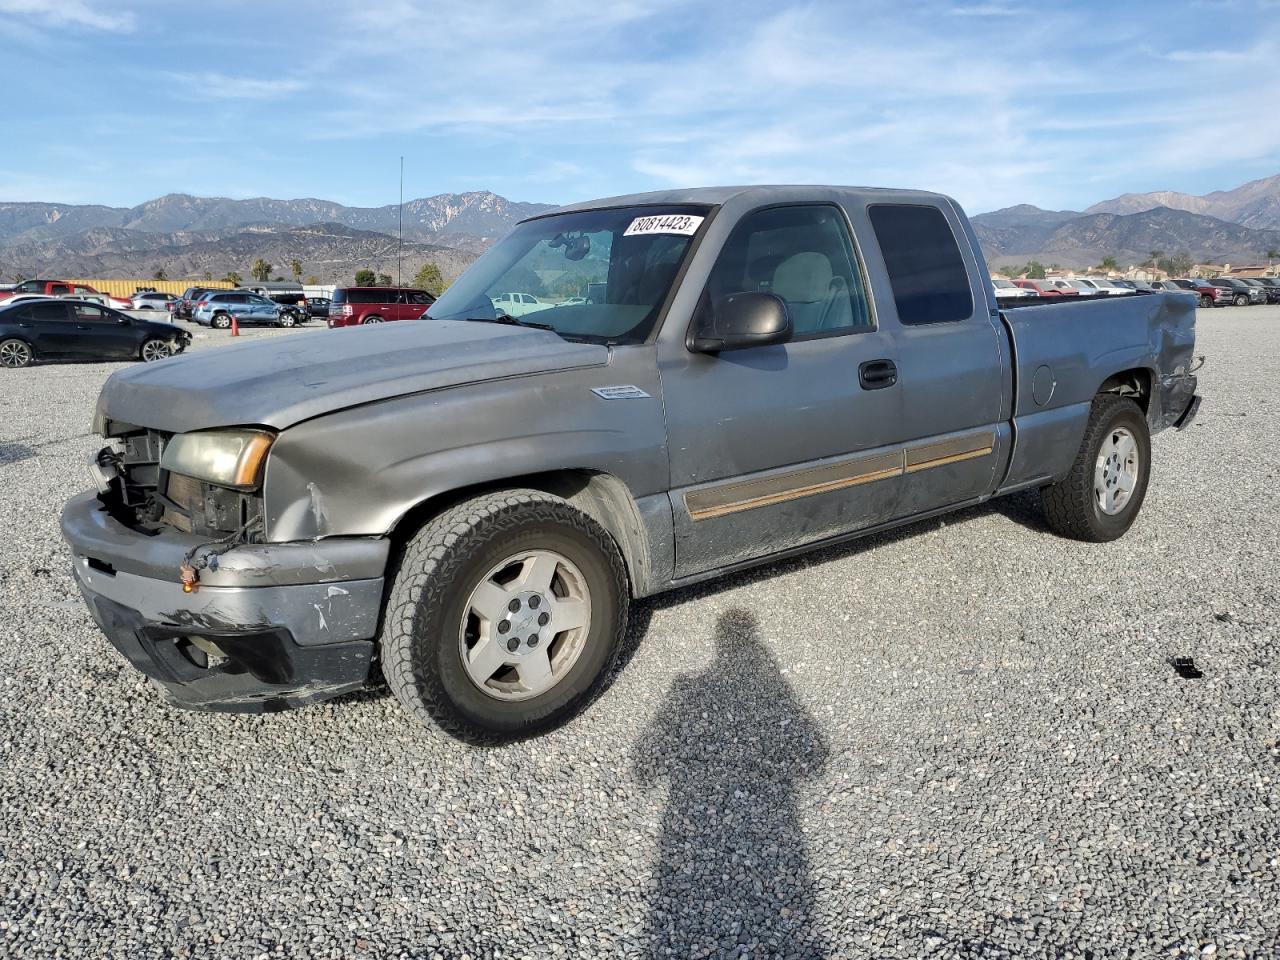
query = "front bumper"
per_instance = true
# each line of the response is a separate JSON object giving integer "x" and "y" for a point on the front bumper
{"x": 271, "y": 625}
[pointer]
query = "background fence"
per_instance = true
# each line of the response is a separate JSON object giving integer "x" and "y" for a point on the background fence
{"x": 127, "y": 288}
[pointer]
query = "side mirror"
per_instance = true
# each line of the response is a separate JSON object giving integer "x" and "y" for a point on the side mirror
{"x": 742, "y": 320}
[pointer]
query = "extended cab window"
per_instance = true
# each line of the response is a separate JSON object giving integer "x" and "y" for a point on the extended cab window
{"x": 803, "y": 255}
{"x": 927, "y": 273}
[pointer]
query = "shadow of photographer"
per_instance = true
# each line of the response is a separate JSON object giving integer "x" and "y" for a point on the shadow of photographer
{"x": 734, "y": 747}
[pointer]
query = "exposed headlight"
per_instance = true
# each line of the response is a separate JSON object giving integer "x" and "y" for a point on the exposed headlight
{"x": 229, "y": 458}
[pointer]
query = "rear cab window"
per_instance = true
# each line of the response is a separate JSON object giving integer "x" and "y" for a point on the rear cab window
{"x": 922, "y": 257}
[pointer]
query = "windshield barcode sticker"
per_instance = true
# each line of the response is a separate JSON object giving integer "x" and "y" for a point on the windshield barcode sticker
{"x": 680, "y": 223}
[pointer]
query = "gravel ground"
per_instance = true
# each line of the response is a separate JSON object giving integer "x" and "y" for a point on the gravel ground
{"x": 964, "y": 739}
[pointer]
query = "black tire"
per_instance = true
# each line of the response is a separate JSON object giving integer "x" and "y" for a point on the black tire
{"x": 286, "y": 320}
{"x": 372, "y": 318}
{"x": 442, "y": 564}
{"x": 1206, "y": 300}
{"x": 1241, "y": 300}
{"x": 1070, "y": 506}
{"x": 15, "y": 353}
{"x": 221, "y": 321}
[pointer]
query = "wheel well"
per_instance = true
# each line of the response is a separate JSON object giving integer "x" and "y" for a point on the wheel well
{"x": 1135, "y": 384}
{"x": 601, "y": 496}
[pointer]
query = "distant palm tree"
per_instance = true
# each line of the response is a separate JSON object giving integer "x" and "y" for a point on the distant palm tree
{"x": 233, "y": 278}
{"x": 296, "y": 267}
{"x": 261, "y": 270}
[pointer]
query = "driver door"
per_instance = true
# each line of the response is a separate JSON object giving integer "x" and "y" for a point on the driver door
{"x": 101, "y": 333}
{"x": 777, "y": 446}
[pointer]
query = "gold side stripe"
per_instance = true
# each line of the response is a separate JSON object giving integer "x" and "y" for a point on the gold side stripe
{"x": 748, "y": 495}
{"x": 953, "y": 458}
{"x": 706, "y": 513}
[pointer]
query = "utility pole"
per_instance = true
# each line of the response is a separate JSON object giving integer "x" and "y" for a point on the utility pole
{"x": 400, "y": 242}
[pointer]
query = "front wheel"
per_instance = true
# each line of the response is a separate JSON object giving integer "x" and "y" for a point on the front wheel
{"x": 1206, "y": 300}
{"x": 156, "y": 349}
{"x": 506, "y": 614}
{"x": 1242, "y": 300}
{"x": 285, "y": 320}
{"x": 15, "y": 353}
{"x": 1101, "y": 495}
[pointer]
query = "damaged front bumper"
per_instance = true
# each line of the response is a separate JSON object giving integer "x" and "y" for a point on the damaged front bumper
{"x": 271, "y": 626}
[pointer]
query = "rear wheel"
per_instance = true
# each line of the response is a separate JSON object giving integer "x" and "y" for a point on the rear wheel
{"x": 221, "y": 321}
{"x": 1101, "y": 495}
{"x": 15, "y": 353}
{"x": 372, "y": 318}
{"x": 506, "y": 614}
{"x": 1241, "y": 300}
{"x": 1206, "y": 300}
{"x": 156, "y": 349}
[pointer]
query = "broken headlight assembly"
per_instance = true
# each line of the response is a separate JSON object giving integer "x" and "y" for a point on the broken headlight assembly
{"x": 228, "y": 458}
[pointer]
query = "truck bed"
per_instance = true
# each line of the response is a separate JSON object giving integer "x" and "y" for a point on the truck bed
{"x": 1063, "y": 352}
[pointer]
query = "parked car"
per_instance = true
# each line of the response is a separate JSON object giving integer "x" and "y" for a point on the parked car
{"x": 470, "y": 504}
{"x": 62, "y": 288}
{"x": 1045, "y": 288}
{"x": 1210, "y": 296}
{"x": 1272, "y": 293}
{"x": 519, "y": 304}
{"x": 1241, "y": 293}
{"x": 185, "y": 305}
{"x": 1098, "y": 285}
{"x": 292, "y": 303}
{"x": 1009, "y": 289}
{"x": 573, "y": 301}
{"x": 1271, "y": 283}
{"x": 65, "y": 328}
{"x": 216, "y": 310}
{"x": 359, "y": 306}
{"x": 317, "y": 308}
{"x": 150, "y": 300}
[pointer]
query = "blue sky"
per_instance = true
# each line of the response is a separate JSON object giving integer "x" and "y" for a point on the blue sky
{"x": 993, "y": 101}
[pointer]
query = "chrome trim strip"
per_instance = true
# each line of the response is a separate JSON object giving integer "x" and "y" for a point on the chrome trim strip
{"x": 734, "y": 497}
{"x": 954, "y": 450}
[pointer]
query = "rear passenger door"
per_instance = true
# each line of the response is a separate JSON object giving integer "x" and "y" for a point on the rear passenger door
{"x": 46, "y": 324}
{"x": 949, "y": 352}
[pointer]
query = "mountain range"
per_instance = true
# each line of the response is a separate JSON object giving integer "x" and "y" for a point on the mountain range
{"x": 1226, "y": 226}
{"x": 187, "y": 236}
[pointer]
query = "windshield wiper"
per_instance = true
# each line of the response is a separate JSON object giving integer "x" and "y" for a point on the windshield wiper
{"x": 506, "y": 318}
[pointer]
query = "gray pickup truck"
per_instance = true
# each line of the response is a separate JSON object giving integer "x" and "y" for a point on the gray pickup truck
{"x": 470, "y": 502}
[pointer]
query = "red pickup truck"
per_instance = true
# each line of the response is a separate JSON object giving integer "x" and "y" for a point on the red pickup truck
{"x": 62, "y": 288}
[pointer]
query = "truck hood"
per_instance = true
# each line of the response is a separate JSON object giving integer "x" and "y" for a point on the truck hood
{"x": 290, "y": 379}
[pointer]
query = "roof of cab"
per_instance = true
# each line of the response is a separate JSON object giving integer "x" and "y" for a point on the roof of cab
{"x": 765, "y": 193}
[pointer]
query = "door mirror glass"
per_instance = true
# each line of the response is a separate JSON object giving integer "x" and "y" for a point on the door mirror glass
{"x": 741, "y": 320}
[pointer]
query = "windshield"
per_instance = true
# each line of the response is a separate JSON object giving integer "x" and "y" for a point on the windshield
{"x": 599, "y": 275}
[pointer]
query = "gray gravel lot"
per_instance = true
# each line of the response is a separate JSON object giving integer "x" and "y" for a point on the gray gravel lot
{"x": 961, "y": 740}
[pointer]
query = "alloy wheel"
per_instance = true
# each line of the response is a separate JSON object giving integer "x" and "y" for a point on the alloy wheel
{"x": 525, "y": 625}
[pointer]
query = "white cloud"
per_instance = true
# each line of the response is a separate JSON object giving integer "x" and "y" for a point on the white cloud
{"x": 69, "y": 13}
{"x": 209, "y": 85}
{"x": 987, "y": 10}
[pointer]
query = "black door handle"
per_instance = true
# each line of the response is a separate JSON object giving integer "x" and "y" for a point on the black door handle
{"x": 877, "y": 374}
